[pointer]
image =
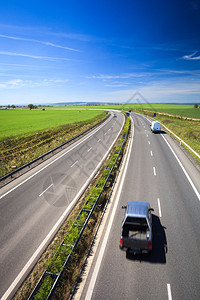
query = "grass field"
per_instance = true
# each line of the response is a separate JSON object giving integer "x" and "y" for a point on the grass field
{"x": 24, "y": 122}
{"x": 25, "y": 135}
{"x": 174, "y": 109}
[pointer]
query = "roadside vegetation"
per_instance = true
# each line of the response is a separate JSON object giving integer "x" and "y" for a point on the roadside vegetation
{"x": 188, "y": 111}
{"x": 69, "y": 232}
{"x": 31, "y": 138}
{"x": 187, "y": 130}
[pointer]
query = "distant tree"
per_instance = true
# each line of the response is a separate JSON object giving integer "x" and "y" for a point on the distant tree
{"x": 13, "y": 106}
{"x": 196, "y": 105}
{"x": 31, "y": 106}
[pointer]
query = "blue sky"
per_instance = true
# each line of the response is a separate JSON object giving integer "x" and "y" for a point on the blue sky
{"x": 64, "y": 51}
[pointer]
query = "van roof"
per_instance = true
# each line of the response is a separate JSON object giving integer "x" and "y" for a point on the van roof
{"x": 137, "y": 208}
{"x": 154, "y": 122}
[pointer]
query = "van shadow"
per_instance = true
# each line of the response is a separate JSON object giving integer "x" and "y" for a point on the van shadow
{"x": 163, "y": 132}
{"x": 159, "y": 245}
{"x": 160, "y": 132}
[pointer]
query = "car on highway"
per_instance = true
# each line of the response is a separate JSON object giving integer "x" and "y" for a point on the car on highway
{"x": 155, "y": 126}
{"x": 136, "y": 231}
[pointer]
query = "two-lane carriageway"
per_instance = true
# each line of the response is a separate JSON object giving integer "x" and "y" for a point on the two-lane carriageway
{"x": 34, "y": 206}
{"x": 156, "y": 171}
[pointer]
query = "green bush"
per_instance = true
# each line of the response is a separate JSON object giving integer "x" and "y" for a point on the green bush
{"x": 72, "y": 235}
{"x": 45, "y": 288}
{"x": 101, "y": 182}
{"x": 106, "y": 172}
{"x": 82, "y": 218}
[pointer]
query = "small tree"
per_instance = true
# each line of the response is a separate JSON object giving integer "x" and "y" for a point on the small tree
{"x": 196, "y": 105}
{"x": 31, "y": 106}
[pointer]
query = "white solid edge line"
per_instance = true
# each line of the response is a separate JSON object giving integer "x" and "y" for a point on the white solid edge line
{"x": 14, "y": 188}
{"x": 103, "y": 245}
{"x": 159, "y": 208}
{"x": 53, "y": 230}
{"x": 169, "y": 291}
{"x": 185, "y": 172}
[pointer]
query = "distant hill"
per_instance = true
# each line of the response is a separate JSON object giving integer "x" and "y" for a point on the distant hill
{"x": 79, "y": 103}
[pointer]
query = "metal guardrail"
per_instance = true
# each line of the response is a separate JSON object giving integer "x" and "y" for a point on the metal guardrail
{"x": 56, "y": 277}
{"x": 35, "y": 162}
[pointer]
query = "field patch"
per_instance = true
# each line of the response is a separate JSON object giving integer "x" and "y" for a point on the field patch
{"x": 174, "y": 109}
{"x": 18, "y": 149}
{"x": 23, "y": 122}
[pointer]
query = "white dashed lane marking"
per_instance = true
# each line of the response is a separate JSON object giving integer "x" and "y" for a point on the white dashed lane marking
{"x": 74, "y": 164}
{"x": 46, "y": 190}
{"x": 154, "y": 171}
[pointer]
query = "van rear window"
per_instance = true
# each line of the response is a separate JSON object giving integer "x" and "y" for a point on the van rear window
{"x": 136, "y": 221}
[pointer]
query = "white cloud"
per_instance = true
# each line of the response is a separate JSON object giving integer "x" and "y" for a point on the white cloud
{"x": 115, "y": 85}
{"x": 103, "y": 76}
{"x": 34, "y": 56}
{"x": 37, "y": 41}
{"x": 159, "y": 91}
{"x": 121, "y": 76}
{"x": 191, "y": 56}
{"x": 18, "y": 83}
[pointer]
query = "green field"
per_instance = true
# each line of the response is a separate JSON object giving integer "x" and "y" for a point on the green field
{"x": 175, "y": 109}
{"x": 23, "y": 122}
{"x": 26, "y": 134}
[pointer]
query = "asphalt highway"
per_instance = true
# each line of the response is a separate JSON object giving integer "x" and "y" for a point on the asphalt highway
{"x": 33, "y": 207}
{"x": 159, "y": 172}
